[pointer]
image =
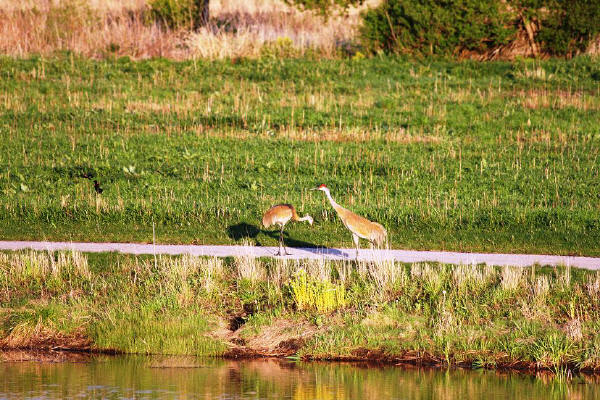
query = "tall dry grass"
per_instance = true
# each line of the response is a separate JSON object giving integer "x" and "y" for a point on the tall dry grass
{"x": 87, "y": 28}
{"x": 250, "y": 25}
{"x": 42, "y": 266}
{"x": 238, "y": 28}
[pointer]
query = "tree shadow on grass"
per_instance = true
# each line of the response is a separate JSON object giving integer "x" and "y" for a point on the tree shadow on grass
{"x": 248, "y": 231}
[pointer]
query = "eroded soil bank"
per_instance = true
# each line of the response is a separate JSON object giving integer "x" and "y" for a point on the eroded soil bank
{"x": 284, "y": 339}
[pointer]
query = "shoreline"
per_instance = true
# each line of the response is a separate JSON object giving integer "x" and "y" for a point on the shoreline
{"x": 422, "y": 314}
{"x": 363, "y": 356}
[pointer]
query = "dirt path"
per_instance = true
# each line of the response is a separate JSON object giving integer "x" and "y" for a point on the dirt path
{"x": 301, "y": 253}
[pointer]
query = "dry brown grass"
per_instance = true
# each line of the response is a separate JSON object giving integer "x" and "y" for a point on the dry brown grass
{"x": 275, "y": 337}
{"x": 38, "y": 265}
{"x": 97, "y": 28}
{"x": 40, "y": 336}
{"x": 558, "y": 99}
{"x": 100, "y": 5}
{"x": 360, "y": 135}
{"x": 258, "y": 23}
{"x": 75, "y": 26}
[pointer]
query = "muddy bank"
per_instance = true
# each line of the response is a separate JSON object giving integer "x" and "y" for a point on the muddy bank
{"x": 361, "y": 356}
{"x": 43, "y": 355}
{"x": 284, "y": 339}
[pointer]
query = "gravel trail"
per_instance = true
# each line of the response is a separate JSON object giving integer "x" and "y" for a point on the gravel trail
{"x": 408, "y": 256}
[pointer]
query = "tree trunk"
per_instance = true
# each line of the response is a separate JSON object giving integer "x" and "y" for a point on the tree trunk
{"x": 202, "y": 14}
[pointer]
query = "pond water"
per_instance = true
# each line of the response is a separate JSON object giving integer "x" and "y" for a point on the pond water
{"x": 192, "y": 378}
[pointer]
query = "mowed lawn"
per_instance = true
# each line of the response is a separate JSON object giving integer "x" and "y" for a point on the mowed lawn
{"x": 496, "y": 156}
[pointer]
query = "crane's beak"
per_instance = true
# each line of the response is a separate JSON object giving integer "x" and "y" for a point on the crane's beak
{"x": 314, "y": 189}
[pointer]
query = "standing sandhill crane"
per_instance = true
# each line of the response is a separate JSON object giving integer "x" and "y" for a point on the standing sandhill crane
{"x": 359, "y": 226}
{"x": 280, "y": 215}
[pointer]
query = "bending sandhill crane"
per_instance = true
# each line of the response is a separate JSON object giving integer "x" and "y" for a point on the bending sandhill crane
{"x": 359, "y": 226}
{"x": 280, "y": 215}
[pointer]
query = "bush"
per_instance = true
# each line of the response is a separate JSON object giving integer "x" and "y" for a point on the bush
{"x": 436, "y": 27}
{"x": 444, "y": 27}
{"x": 282, "y": 47}
{"x": 569, "y": 26}
{"x": 174, "y": 14}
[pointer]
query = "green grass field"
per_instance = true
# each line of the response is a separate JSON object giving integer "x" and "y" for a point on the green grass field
{"x": 498, "y": 156}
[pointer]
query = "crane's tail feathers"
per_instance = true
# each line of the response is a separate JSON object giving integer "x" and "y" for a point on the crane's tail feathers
{"x": 379, "y": 235}
{"x": 266, "y": 222}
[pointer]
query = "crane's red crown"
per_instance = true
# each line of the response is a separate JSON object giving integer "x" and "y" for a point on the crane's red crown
{"x": 322, "y": 186}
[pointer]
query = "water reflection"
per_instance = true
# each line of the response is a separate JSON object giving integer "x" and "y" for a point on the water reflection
{"x": 192, "y": 378}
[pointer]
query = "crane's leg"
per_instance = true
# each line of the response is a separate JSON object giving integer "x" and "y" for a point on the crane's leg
{"x": 280, "y": 241}
{"x": 282, "y": 245}
{"x": 355, "y": 238}
{"x": 285, "y": 252}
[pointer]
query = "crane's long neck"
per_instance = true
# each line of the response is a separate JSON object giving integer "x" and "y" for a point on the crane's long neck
{"x": 296, "y": 217}
{"x": 335, "y": 205}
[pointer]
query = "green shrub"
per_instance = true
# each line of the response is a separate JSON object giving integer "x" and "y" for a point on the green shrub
{"x": 325, "y": 7}
{"x": 569, "y": 26}
{"x": 565, "y": 27}
{"x": 282, "y": 47}
{"x": 174, "y": 14}
{"x": 436, "y": 27}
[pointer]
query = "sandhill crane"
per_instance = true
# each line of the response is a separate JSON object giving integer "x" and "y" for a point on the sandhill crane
{"x": 359, "y": 226}
{"x": 280, "y": 215}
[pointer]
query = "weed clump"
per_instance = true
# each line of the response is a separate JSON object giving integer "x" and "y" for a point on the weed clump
{"x": 310, "y": 293}
{"x": 174, "y": 14}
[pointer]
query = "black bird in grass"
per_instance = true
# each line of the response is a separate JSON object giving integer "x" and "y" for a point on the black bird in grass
{"x": 97, "y": 187}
